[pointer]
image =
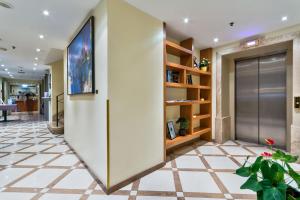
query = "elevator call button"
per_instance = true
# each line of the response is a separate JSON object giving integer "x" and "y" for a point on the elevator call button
{"x": 297, "y": 102}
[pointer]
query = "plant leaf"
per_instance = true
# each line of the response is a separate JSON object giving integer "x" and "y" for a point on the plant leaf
{"x": 252, "y": 184}
{"x": 256, "y": 165}
{"x": 278, "y": 173}
{"x": 273, "y": 194}
{"x": 243, "y": 171}
{"x": 266, "y": 184}
{"x": 294, "y": 175}
{"x": 266, "y": 170}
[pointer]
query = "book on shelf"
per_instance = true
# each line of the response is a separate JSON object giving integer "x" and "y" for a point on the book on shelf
{"x": 189, "y": 79}
{"x": 172, "y": 76}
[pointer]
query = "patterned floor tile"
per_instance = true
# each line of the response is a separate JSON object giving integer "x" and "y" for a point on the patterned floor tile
{"x": 210, "y": 150}
{"x": 236, "y": 150}
{"x": 16, "y": 196}
{"x": 11, "y": 174}
{"x": 189, "y": 162}
{"x": 77, "y": 179}
{"x": 221, "y": 162}
{"x": 35, "y": 164}
{"x": 13, "y": 158}
{"x": 39, "y": 179}
{"x": 158, "y": 181}
{"x": 199, "y": 182}
{"x": 50, "y": 196}
{"x": 233, "y": 182}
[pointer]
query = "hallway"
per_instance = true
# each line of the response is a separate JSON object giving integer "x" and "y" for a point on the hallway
{"x": 35, "y": 164}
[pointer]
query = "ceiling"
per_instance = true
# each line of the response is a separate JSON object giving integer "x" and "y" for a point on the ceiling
{"x": 22, "y": 25}
{"x": 209, "y": 19}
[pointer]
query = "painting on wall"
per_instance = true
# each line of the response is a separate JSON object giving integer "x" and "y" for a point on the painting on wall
{"x": 80, "y": 66}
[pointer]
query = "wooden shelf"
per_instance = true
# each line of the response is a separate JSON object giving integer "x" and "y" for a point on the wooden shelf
{"x": 177, "y": 50}
{"x": 194, "y": 71}
{"x": 199, "y": 117}
{"x": 179, "y": 140}
{"x": 201, "y": 89}
{"x": 199, "y": 131}
{"x": 181, "y": 85}
{"x": 185, "y": 103}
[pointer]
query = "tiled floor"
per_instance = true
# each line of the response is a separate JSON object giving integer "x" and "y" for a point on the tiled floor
{"x": 35, "y": 164}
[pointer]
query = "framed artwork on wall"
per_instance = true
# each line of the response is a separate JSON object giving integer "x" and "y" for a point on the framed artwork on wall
{"x": 81, "y": 61}
{"x": 171, "y": 130}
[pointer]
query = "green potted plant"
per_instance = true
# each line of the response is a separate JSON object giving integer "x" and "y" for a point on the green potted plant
{"x": 184, "y": 125}
{"x": 271, "y": 175}
{"x": 204, "y": 64}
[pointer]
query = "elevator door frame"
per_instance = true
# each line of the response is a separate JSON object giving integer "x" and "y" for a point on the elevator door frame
{"x": 235, "y": 92}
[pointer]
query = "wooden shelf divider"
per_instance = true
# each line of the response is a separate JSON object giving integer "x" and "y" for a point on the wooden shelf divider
{"x": 197, "y": 94}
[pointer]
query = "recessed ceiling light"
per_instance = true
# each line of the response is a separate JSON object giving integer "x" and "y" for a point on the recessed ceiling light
{"x": 41, "y": 36}
{"x": 38, "y": 50}
{"x": 216, "y": 40}
{"x": 34, "y": 68}
{"x": 2, "y": 65}
{"x": 36, "y": 58}
{"x": 35, "y": 64}
{"x": 5, "y": 69}
{"x": 186, "y": 20}
{"x": 284, "y": 18}
{"x": 46, "y": 13}
{"x": 8, "y": 72}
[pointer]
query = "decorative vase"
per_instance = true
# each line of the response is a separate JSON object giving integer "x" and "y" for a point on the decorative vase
{"x": 182, "y": 132}
{"x": 204, "y": 69}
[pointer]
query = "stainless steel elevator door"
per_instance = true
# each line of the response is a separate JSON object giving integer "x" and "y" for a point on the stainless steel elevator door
{"x": 246, "y": 105}
{"x": 272, "y": 99}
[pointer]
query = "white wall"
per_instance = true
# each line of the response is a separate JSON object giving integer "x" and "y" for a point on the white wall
{"x": 135, "y": 91}
{"x": 85, "y": 115}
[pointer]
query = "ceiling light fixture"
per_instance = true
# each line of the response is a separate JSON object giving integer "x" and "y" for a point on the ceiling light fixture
{"x": 34, "y": 69}
{"x": 186, "y": 20}
{"x": 216, "y": 40}
{"x": 38, "y": 50}
{"x": 8, "y": 72}
{"x": 36, "y": 58}
{"x": 35, "y": 64}
{"x": 41, "y": 36}
{"x": 284, "y": 18}
{"x": 46, "y": 13}
{"x": 2, "y": 65}
{"x": 5, "y": 69}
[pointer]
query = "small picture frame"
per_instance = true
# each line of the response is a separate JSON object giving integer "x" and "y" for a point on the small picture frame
{"x": 171, "y": 130}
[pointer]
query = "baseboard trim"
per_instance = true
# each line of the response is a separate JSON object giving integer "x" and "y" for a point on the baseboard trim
{"x": 133, "y": 178}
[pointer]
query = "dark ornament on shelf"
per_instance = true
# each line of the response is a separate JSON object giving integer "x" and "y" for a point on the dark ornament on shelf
{"x": 184, "y": 125}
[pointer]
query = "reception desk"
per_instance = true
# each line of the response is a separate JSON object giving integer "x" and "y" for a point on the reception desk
{"x": 29, "y": 105}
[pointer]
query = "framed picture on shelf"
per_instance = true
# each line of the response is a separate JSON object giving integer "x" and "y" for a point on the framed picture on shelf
{"x": 80, "y": 61}
{"x": 171, "y": 130}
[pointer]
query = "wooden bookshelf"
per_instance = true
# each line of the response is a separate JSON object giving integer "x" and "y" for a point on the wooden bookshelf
{"x": 197, "y": 94}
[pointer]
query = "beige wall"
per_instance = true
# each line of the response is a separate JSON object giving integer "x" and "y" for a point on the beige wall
{"x": 85, "y": 115}
{"x": 135, "y": 90}
{"x": 57, "y": 84}
{"x": 128, "y": 73}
